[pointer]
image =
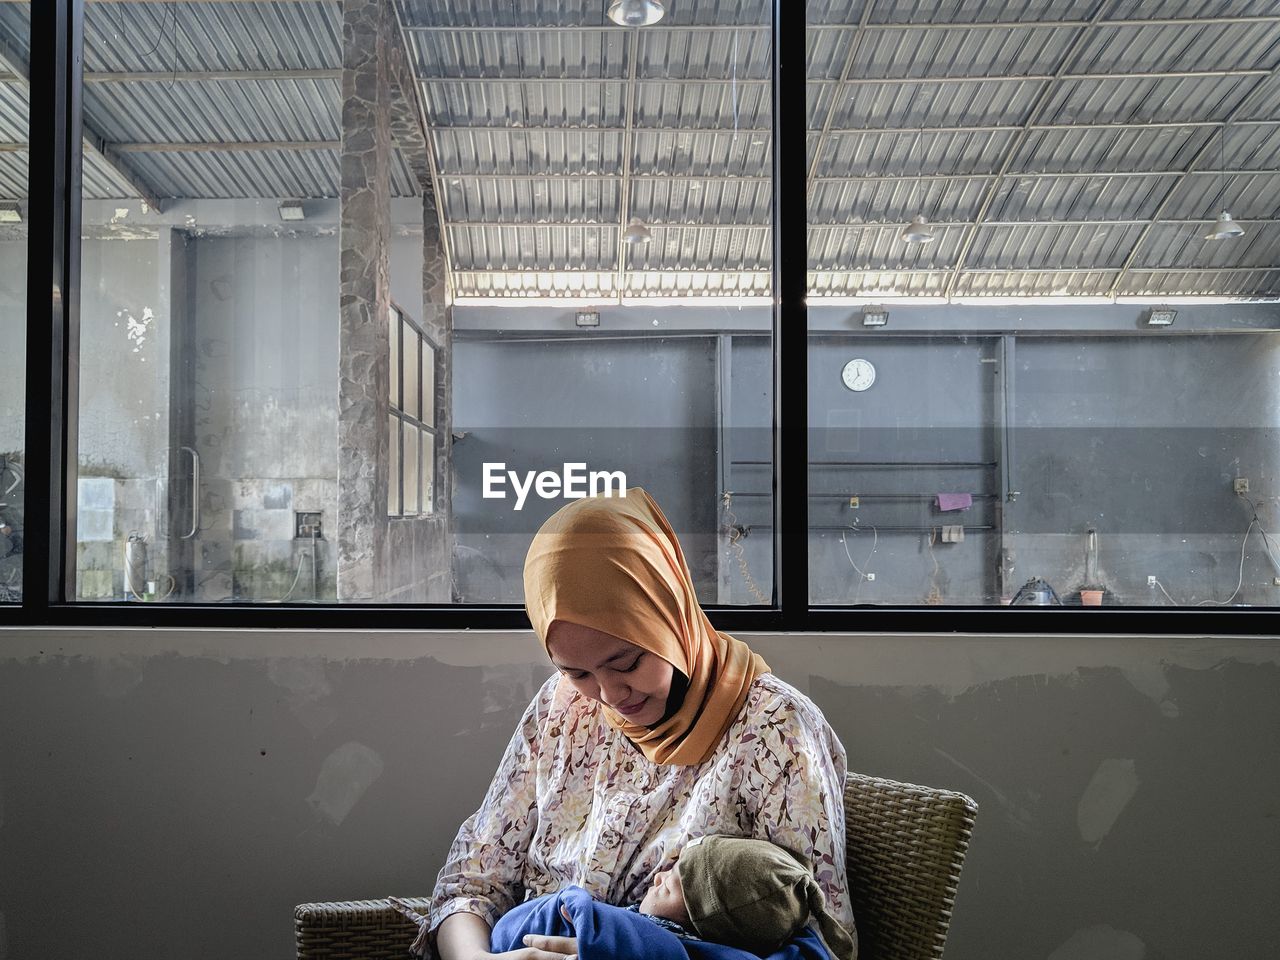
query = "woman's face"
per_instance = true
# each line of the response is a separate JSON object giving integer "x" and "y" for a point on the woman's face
{"x": 630, "y": 679}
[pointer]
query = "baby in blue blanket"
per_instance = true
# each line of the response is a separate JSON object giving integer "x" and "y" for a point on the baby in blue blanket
{"x": 727, "y": 898}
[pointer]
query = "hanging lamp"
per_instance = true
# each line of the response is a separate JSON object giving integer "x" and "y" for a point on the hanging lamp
{"x": 1224, "y": 228}
{"x": 636, "y": 13}
{"x": 918, "y": 231}
{"x": 636, "y": 233}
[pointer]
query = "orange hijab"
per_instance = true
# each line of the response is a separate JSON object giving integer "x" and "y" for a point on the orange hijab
{"x": 614, "y": 564}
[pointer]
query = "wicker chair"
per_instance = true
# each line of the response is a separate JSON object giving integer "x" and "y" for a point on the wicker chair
{"x": 906, "y": 845}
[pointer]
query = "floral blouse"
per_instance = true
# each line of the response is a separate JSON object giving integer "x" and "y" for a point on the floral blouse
{"x": 575, "y": 802}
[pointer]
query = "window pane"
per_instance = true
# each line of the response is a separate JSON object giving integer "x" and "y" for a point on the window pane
{"x": 428, "y": 474}
{"x": 409, "y": 365}
{"x": 394, "y": 365}
{"x": 393, "y": 458}
{"x": 428, "y": 384}
{"x": 614, "y": 281}
{"x": 410, "y": 470}
{"x": 15, "y": 23}
{"x": 228, "y": 326}
{"x": 1022, "y": 388}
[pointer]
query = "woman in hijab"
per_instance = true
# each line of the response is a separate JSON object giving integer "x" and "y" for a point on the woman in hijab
{"x": 655, "y": 729}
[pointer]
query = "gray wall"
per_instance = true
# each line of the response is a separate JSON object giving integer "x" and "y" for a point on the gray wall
{"x": 174, "y": 794}
{"x": 645, "y": 406}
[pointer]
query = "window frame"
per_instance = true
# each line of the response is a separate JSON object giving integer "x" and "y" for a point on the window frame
{"x": 52, "y": 406}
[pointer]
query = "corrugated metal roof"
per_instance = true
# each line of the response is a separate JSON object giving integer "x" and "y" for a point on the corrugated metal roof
{"x": 13, "y": 176}
{"x": 545, "y": 145}
{"x": 14, "y": 109}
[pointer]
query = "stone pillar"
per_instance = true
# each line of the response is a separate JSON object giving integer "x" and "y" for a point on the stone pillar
{"x": 418, "y": 562}
{"x": 364, "y": 297}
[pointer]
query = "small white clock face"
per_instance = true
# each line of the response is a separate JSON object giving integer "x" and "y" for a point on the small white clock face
{"x": 858, "y": 374}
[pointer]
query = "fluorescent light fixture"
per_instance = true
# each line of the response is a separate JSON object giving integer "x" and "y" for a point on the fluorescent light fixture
{"x": 875, "y": 316}
{"x": 1193, "y": 300}
{"x": 10, "y": 212}
{"x": 636, "y": 232}
{"x": 818, "y": 300}
{"x": 917, "y": 231}
{"x": 1224, "y": 228}
{"x": 587, "y": 318}
{"x": 764, "y": 302}
{"x": 636, "y": 13}
{"x": 1161, "y": 317}
{"x": 1026, "y": 301}
{"x": 573, "y": 303}
{"x": 292, "y": 210}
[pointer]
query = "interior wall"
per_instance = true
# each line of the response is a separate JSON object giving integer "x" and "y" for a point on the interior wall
{"x": 175, "y": 794}
{"x": 643, "y": 406}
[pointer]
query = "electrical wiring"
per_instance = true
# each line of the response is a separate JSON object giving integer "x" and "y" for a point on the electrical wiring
{"x": 934, "y": 597}
{"x": 736, "y": 534}
{"x": 862, "y": 575}
{"x": 1255, "y": 521}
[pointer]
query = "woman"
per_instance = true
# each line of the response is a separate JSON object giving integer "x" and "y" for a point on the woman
{"x": 655, "y": 729}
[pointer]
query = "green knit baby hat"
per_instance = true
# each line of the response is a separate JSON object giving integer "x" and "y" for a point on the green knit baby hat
{"x": 754, "y": 895}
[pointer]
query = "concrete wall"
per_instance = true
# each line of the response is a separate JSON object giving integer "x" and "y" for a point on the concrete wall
{"x": 173, "y": 794}
{"x": 646, "y": 407}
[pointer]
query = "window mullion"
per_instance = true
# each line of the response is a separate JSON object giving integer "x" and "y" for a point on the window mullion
{"x": 790, "y": 265}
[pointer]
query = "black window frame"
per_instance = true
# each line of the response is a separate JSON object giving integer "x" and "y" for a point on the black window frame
{"x": 52, "y": 408}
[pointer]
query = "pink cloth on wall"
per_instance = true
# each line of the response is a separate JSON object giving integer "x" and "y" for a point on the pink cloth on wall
{"x": 955, "y": 501}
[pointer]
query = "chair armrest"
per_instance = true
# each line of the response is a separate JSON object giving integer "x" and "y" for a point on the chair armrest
{"x": 354, "y": 930}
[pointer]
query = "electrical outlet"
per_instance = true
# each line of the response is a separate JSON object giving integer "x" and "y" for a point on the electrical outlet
{"x": 1151, "y": 581}
{"x": 1275, "y": 581}
{"x": 1241, "y": 485}
{"x": 871, "y": 576}
{"x": 855, "y": 503}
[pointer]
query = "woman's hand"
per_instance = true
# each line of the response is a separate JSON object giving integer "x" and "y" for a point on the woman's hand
{"x": 549, "y": 947}
{"x": 539, "y": 948}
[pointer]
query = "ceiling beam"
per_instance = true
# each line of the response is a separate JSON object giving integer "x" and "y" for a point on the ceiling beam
{"x": 326, "y": 73}
{"x": 859, "y": 131}
{"x": 877, "y": 225}
{"x": 866, "y": 81}
{"x": 874, "y": 178}
{"x": 95, "y": 145}
{"x": 877, "y": 27}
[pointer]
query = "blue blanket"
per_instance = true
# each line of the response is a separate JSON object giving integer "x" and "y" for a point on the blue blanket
{"x": 605, "y": 932}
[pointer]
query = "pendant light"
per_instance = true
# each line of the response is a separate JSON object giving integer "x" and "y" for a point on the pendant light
{"x": 636, "y": 13}
{"x": 1224, "y": 228}
{"x": 918, "y": 230}
{"x": 636, "y": 233}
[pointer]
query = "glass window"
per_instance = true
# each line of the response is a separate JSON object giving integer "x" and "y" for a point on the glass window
{"x": 409, "y": 475}
{"x": 1042, "y": 309}
{"x": 393, "y": 482}
{"x": 607, "y": 208}
{"x": 15, "y": 32}
{"x": 410, "y": 345}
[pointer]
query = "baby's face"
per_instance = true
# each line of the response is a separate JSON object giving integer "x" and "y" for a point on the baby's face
{"x": 666, "y": 898}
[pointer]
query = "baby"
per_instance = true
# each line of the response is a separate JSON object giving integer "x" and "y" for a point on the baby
{"x": 724, "y": 895}
{"x": 743, "y": 893}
